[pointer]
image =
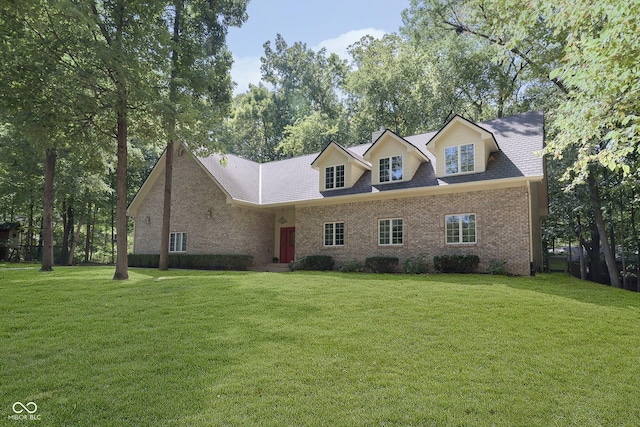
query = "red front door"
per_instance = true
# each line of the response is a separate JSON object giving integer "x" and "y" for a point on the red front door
{"x": 287, "y": 244}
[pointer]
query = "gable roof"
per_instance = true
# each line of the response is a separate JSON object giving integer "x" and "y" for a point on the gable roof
{"x": 346, "y": 152}
{"x": 293, "y": 180}
{"x": 398, "y": 138}
{"x": 484, "y": 133}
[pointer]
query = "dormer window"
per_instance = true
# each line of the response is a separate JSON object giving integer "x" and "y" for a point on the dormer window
{"x": 459, "y": 159}
{"x": 334, "y": 177}
{"x": 391, "y": 169}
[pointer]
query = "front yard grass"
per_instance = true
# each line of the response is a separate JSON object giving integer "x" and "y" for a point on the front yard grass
{"x": 189, "y": 348}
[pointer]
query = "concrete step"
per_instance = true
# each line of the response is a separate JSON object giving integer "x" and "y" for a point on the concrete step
{"x": 274, "y": 267}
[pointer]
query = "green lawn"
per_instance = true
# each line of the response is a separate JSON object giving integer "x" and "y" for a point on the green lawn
{"x": 192, "y": 348}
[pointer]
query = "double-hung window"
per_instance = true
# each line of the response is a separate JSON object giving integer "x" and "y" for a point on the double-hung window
{"x": 334, "y": 177}
{"x": 178, "y": 242}
{"x": 390, "y": 169}
{"x": 334, "y": 234}
{"x": 459, "y": 159}
{"x": 461, "y": 228}
{"x": 390, "y": 232}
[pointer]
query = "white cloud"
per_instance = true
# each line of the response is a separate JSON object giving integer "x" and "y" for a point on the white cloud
{"x": 245, "y": 70}
{"x": 339, "y": 45}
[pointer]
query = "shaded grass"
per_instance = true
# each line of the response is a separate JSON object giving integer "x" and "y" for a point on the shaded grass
{"x": 245, "y": 348}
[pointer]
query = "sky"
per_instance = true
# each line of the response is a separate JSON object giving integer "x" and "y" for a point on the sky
{"x": 333, "y": 24}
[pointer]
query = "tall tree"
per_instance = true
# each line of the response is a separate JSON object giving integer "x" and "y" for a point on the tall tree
{"x": 198, "y": 77}
{"x": 46, "y": 113}
{"x": 596, "y": 115}
{"x": 309, "y": 80}
{"x": 307, "y": 91}
{"x": 252, "y": 130}
{"x": 390, "y": 87}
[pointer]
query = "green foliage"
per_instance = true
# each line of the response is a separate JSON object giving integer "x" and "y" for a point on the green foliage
{"x": 599, "y": 68}
{"x": 389, "y": 87}
{"x": 313, "y": 262}
{"x": 416, "y": 265}
{"x": 253, "y": 130}
{"x": 498, "y": 267}
{"x": 308, "y": 134}
{"x": 198, "y": 262}
{"x": 352, "y": 266}
{"x": 456, "y": 263}
{"x": 308, "y": 109}
{"x": 382, "y": 264}
{"x": 588, "y": 53}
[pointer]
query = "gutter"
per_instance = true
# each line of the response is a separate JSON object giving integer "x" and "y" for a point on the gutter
{"x": 531, "y": 259}
{"x": 401, "y": 193}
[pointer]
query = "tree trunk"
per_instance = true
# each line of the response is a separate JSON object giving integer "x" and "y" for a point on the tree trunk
{"x": 166, "y": 209}
{"x": 68, "y": 230}
{"x": 122, "y": 272}
{"x": 94, "y": 221}
{"x": 593, "y": 253}
{"x": 87, "y": 240}
{"x": 609, "y": 256}
{"x": 30, "y": 233}
{"x": 622, "y": 244}
{"x": 74, "y": 242}
{"x": 47, "y": 210}
{"x": 171, "y": 131}
{"x": 581, "y": 247}
{"x": 113, "y": 232}
{"x": 634, "y": 229}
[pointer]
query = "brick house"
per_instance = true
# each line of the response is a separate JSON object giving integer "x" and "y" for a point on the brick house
{"x": 466, "y": 189}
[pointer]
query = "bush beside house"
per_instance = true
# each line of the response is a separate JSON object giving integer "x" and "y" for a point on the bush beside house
{"x": 201, "y": 261}
{"x": 456, "y": 263}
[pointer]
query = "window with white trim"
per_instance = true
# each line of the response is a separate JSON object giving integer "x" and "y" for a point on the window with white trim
{"x": 390, "y": 232}
{"x": 334, "y": 234}
{"x": 178, "y": 242}
{"x": 390, "y": 168}
{"x": 334, "y": 177}
{"x": 461, "y": 228}
{"x": 459, "y": 159}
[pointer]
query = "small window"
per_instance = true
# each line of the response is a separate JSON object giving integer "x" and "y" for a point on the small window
{"x": 391, "y": 169}
{"x": 334, "y": 234}
{"x": 334, "y": 177}
{"x": 390, "y": 232}
{"x": 459, "y": 159}
{"x": 178, "y": 242}
{"x": 461, "y": 228}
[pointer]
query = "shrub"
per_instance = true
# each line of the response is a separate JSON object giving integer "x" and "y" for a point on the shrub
{"x": 498, "y": 267}
{"x": 456, "y": 263}
{"x": 352, "y": 266}
{"x": 382, "y": 264}
{"x": 416, "y": 265}
{"x": 313, "y": 262}
{"x": 143, "y": 260}
{"x": 198, "y": 262}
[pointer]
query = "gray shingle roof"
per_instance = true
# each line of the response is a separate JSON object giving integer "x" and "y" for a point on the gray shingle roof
{"x": 519, "y": 137}
{"x": 346, "y": 151}
{"x": 239, "y": 177}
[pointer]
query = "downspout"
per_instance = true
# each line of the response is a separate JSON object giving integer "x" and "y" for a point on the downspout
{"x": 133, "y": 244}
{"x": 260, "y": 184}
{"x": 532, "y": 270}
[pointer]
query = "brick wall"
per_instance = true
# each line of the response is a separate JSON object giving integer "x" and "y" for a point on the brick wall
{"x": 229, "y": 230}
{"x": 501, "y": 225}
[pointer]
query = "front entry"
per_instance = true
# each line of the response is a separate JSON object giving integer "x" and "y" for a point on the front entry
{"x": 287, "y": 244}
